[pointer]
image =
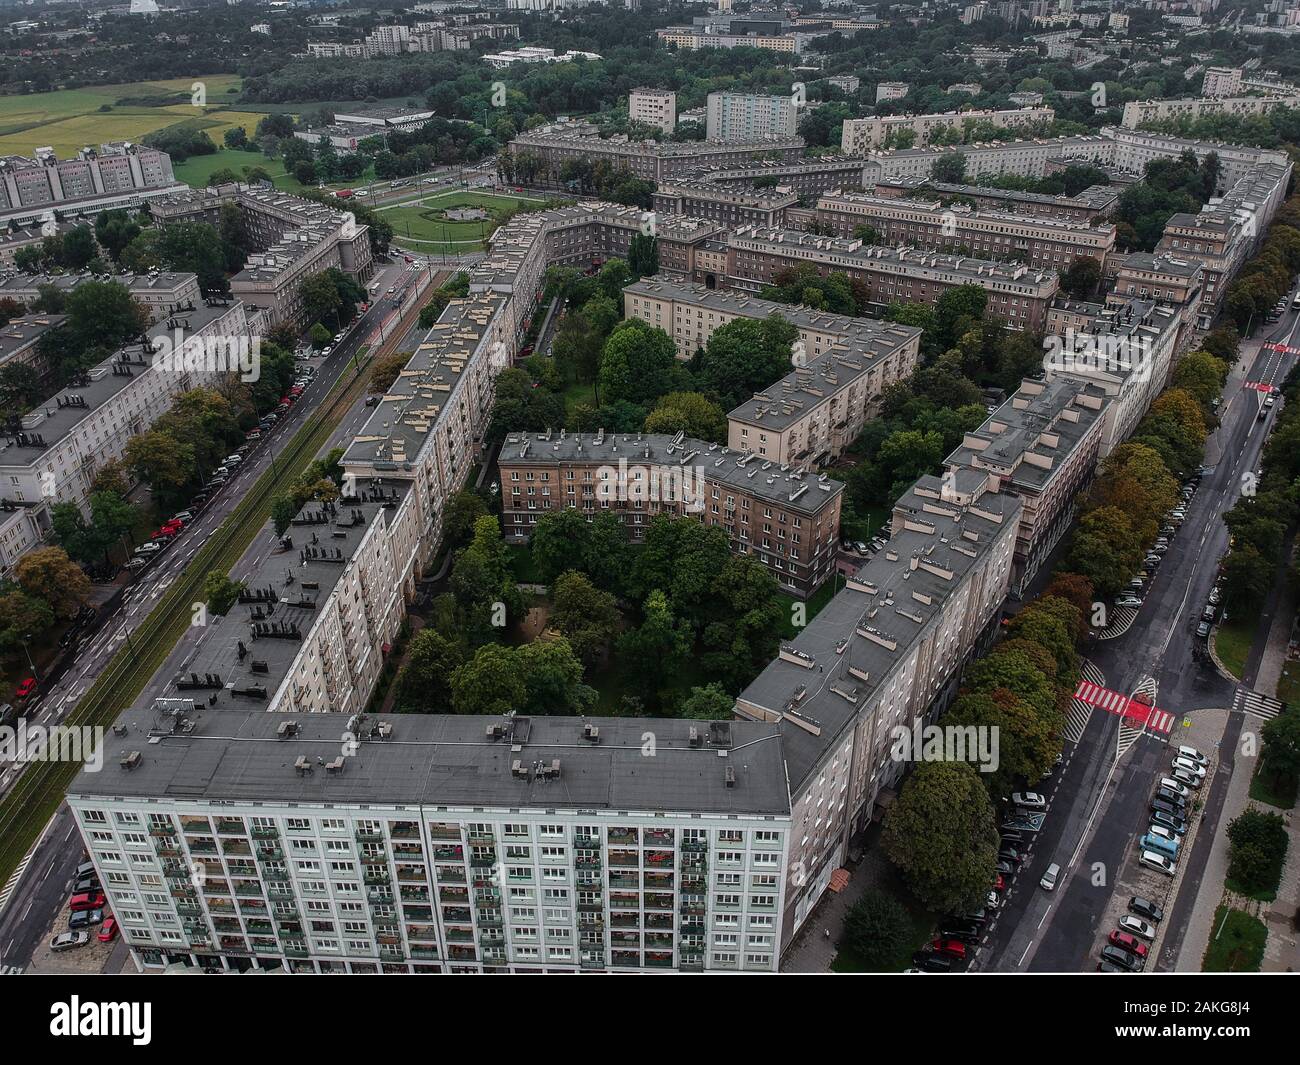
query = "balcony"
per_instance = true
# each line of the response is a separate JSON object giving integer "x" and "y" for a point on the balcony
{"x": 622, "y": 835}
{"x": 163, "y": 830}
{"x": 265, "y": 832}
{"x": 490, "y": 938}
{"x": 460, "y": 935}
{"x": 483, "y": 859}
{"x": 658, "y": 837}
{"x": 376, "y": 876}
{"x": 449, "y": 874}
{"x": 695, "y": 846}
{"x": 230, "y": 826}
{"x": 443, "y": 832}
{"x": 449, "y": 854}
{"x": 369, "y": 835}
{"x": 269, "y": 854}
{"x": 246, "y": 890}
{"x": 425, "y": 953}
{"x": 404, "y": 830}
{"x": 625, "y": 859}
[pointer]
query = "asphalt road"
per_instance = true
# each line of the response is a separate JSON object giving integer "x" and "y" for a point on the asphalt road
{"x": 1102, "y": 800}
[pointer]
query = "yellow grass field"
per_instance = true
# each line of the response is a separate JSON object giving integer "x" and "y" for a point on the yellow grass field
{"x": 70, "y": 119}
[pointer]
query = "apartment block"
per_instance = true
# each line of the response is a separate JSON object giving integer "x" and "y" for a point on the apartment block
{"x": 840, "y": 367}
{"x": 1093, "y": 204}
{"x": 807, "y": 178}
{"x": 744, "y": 117}
{"x": 1138, "y": 113}
{"x": 1042, "y": 446}
{"x": 161, "y": 293}
{"x": 1126, "y": 349}
{"x": 653, "y": 107}
{"x": 782, "y": 516}
{"x": 885, "y": 653}
{"x": 20, "y": 341}
{"x": 690, "y": 37}
{"x": 50, "y": 455}
{"x": 891, "y": 90}
{"x": 547, "y": 148}
{"x": 863, "y": 134}
{"x": 238, "y": 840}
{"x": 294, "y": 238}
{"x": 116, "y": 175}
{"x": 1045, "y": 243}
{"x": 1164, "y": 279}
{"x": 727, "y": 205}
{"x": 1018, "y": 294}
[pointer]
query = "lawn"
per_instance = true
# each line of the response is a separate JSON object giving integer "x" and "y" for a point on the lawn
{"x": 1279, "y": 794}
{"x": 69, "y": 119}
{"x": 812, "y": 606}
{"x": 420, "y": 223}
{"x": 196, "y": 170}
{"x": 1238, "y": 943}
{"x": 1232, "y": 644}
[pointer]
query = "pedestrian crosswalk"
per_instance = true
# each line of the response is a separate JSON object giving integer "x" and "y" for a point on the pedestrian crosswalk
{"x": 11, "y": 970}
{"x": 1079, "y": 712}
{"x": 1253, "y": 702}
{"x": 1121, "y": 620}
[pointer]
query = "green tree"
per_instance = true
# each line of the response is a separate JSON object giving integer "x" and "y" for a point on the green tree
{"x": 942, "y": 835}
{"x": 220, "y": 592}
{"x": 746, "y": 356}
{"x": 637, "y": 363}
{"x": 877, "y": 929}
{"x": 587, "y": 617}
{"x": 709, "y": 702}
{"x": 48, "y": 573}
{"x": 689, "y": 413}
{"x": 424, "y": 684}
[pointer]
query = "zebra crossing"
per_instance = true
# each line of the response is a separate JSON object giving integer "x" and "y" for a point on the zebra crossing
{"x": 11, "y": 970}
{"x": 1253, "y": 702}
{"x": 1121, "y": 620}
{"x": 1131, "y": 727}
{"x": 1079, "y": 713}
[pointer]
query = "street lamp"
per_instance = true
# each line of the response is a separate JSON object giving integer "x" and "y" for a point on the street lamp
{"x": 28, "y": 653}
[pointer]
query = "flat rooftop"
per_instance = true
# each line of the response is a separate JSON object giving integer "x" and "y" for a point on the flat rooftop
{"x": 445, "y": 760}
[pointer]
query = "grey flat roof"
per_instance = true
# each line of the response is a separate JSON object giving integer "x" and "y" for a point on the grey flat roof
{"x": 53, "y": 422}
{"x": 447, "y": 760}
{"x": 881, "y": 597}
{"x": 292, "y": 583}
{"x": 21, "y": 333}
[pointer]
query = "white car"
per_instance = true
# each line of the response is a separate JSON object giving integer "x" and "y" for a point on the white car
{"x": 1170, "y": 784}
{"x": 1160, "y": 832}
{"x": 1189, "y": 767}
{"x": 1136, "y": 926}
{"x": 1158, "y": 861}
{"x": 1028, "y": 800}
{"x": 1192, "y": 754}
{"x": 148, "y": 549}
{"x": 1048, "y": 883}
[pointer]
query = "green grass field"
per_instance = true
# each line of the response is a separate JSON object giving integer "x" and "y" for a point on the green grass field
{"x": 69, "y": 119}
{"x": 1238, "y": 943}
{"x": 1232, "y": 644}
{"x": 197, "y": 169}
{"x": 419, "y": 224}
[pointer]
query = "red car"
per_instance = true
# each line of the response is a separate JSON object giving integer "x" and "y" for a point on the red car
{"x": 165, "y": 533}
{"x": 25, "y": 688}
{"x": 174, "y": 523}
{"x": 954, "y": 948}
{"x": 108, "y": 930}
{"x": 90, "y": 900}
{"x": 1127, "y": 941}
{"x": 1000, "y": 883}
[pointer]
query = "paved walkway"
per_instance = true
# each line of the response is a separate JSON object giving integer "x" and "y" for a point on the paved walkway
{"x": 812, "y": 950}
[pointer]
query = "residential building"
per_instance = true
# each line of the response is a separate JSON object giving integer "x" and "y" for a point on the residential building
{"x": 1018, "y": 294}
{"x": 1138, "y": 113}
{"x": 1094, "y": 204}
{"x": 119, "y": 174}
{"x": 1046, "y": 243}
{"x": 653, "y": 107}
{"x": 1041, "y": 446}
{"x": 726, "y": 205}
{"x": 783, "y": 516}
{"x": 891, "y": 90}
{"x": 747, "y": 117}
{"x": 161, "y": 293}
{"x": 861, "y": 135}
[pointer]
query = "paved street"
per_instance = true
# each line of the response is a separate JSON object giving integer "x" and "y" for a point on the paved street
{"x": 1101, "y": 804}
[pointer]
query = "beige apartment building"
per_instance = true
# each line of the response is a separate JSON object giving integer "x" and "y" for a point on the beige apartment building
{"x": 861, "y": 135}
{"x": 841, "y": 366}
{"x": 1018, "y": 294}
{"x": 1138, "y": 113}
{"x": 1094, "y": 204}
{"x": 160, "y": 292}
{"x": 1042, "y": 446}
{"x": 1045, "y": 243}
{"x": 653, "y": 107}
{"x": 727, "y": 205}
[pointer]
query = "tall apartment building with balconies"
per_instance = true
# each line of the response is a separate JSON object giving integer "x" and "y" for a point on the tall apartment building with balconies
{"x": 735, "y": 116}
{"x": 161, "y": 293}
{"x": 1093, "y": 204}
{"x": 236, "y": 840}
{"x": 116, "y": 175}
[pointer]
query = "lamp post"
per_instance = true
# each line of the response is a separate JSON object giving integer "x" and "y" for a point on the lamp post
{"x": 28, "y": 653}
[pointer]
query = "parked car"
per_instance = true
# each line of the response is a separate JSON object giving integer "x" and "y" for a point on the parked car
{"x": 68, "y": 941}
{"x": 1159, "y": 862}
{"x": 1193, "y": 755}
{"x": 184, "y": 516}
{"x": 1203, "y": 629}
{"x": 1128, "y": 941}
{"x": 1136, "y": 926}
{"x": 1163, "y": 806}
{"x": 148, "y": 549}
{"x": 85, "y": 919}
{"x": 951, "y": 947}
{"x": 1173, "y": 822}
{"x": 1028, "y": 800}
{"x": 1121, "y": 958}
{"x": 1169, "y": 784}
{"x": 1188, "y": 766}
{"x": 1048, "y": 882}
{"x": 1128, "y": 601}
{"x": 1186, "y": 779}
{"x": 108, "y": 930}
{"x": 26, "y": 688}
{"x": 1146, "y": 908}
{"x": 1172, "y": 798}
{"x": 1159, "y": 844}
{"x": 88, "y": 900}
